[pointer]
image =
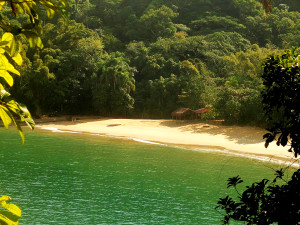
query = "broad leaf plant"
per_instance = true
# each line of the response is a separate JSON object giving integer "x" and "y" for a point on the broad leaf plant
{"x": 11, "y": 55}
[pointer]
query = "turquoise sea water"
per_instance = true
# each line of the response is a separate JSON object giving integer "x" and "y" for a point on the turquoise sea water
{"x": 85, "y": 179}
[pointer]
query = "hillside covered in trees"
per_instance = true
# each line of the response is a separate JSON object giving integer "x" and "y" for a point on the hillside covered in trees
{"x": 146, "y": 58}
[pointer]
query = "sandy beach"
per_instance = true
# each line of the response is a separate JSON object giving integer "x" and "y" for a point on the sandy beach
{"x": 235, "y": 139}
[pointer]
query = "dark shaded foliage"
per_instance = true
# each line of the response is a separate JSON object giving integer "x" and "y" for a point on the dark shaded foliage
{"x": 268, "y": 202}
{"x": 281, "y": 98}
{"x": 265, "y": 202}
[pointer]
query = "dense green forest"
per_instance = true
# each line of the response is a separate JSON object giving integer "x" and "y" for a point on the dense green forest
{"x": 146, "y": 58}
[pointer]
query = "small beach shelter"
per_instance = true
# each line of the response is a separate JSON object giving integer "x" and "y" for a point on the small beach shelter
{"x": 183, "y": 113}
{"x": 199, "y": 112}
{"x": 203, "y": 110}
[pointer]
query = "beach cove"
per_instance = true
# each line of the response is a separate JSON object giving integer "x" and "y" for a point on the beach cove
{"x": 245, "y": 141}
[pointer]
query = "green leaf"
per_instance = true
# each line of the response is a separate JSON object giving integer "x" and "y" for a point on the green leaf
{"x": 12, "y": 208}
{"x": 1, "y": 4}
{"x": 3, "y": 94}
{"x": 50, "y": 13}
{"x": 17, "y": 125}
{"x": 5, "y": 220}
{"x": 7, "y": 37}
{"x": 33, "y": 39}
{"x": 6, "y": 119}
{"x": 284, "y": 139}
{"x": 22, "y": 111}
{"x": 7, "y": 77}
{"x": 5, "y": 198}
{"x": 18, "y": 59}
{"x": 5, "y": 65}
{"x": 11, "y": 108}
{"x": 233, "y": 181}
{"x": 3, "y": 43}
{"x": 12, "y": 213}
{"x": 14, "y": 47}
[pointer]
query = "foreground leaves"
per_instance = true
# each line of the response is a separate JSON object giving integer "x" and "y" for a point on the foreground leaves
{"x": 11, "y": 51}
{"x": 14, "y": 112}
{"x": 281, "y": 99}
{"x": 9, "y": 213}
{"x": 265, "y": 202}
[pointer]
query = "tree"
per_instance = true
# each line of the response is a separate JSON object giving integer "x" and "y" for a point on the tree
{"x": 268, "y": 202}
{"x": 71, "y": 53}
{"x": 191, "y": 85}
{"x": 210, "y": 24}
{"x": 113, "y": 84}
{"x": 157, "y": 23}
{"x": 36, "y": 87}
{"x": 11, "y": 52}
{"x": 160, "y": 96}
{"x": 239, "y": 100}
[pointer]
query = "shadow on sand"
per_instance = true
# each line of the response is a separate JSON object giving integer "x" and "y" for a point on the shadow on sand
{"x": 238, "y": 134}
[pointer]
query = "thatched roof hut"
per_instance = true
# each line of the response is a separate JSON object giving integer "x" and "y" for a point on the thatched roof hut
{"x": 187, "y": 113}
{"x": 182, "y": 113}
{"x": 203, "y": 110}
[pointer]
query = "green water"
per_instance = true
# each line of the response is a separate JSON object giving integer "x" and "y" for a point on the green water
{"x": 83, "y": 179}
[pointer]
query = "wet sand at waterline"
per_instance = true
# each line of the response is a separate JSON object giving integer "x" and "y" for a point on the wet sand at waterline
{"x": 244, "y": 140}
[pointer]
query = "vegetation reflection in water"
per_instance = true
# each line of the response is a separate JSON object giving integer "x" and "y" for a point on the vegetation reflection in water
{"x": 84, "y": 179}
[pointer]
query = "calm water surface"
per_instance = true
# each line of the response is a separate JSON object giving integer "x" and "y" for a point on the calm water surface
{"x": 84, "y": 179}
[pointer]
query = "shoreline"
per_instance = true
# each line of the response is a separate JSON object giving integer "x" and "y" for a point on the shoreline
{"x": 243, "y": 141}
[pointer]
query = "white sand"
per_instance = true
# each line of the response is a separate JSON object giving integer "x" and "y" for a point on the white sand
{"x": 245, "y": 140}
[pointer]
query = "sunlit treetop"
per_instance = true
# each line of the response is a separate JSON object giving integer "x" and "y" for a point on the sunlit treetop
{"x": 34, "y": 9}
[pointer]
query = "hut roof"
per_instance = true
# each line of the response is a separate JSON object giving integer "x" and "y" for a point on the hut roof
{"x": 182, "y": 111}
{"x": 203, "y": 110}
